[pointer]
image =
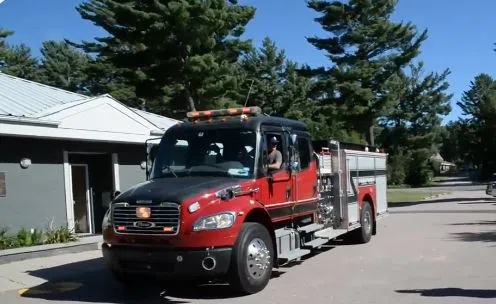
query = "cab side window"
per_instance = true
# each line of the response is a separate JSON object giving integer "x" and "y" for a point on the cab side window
{"x": 276, "y": 155}
{"x": 304, "y": 153}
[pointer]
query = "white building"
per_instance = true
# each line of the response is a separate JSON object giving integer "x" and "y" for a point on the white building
{"x": 63, "y": 155}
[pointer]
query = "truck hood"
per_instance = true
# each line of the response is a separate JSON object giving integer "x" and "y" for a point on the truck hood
{"x": 175, "y": 189}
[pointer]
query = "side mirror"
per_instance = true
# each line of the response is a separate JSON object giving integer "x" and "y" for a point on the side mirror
{"x": 294, "y": 166}
{"x": 293, "y": 139}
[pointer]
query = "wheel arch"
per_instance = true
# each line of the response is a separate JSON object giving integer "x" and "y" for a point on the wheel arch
{"x": 260, "y": 215}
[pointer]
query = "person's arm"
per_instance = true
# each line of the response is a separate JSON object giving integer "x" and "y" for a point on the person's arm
{"x": 278, "y": 161}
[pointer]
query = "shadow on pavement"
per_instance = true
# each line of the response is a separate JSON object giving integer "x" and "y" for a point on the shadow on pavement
{"x": 92, "y": 283}
{"x": 480, "y": 200}
{"x": 485, "y": 236}
{"x": 453, "y": 292}
{"x": 454, "y": 185}
{"x": 479, "y": 223}
{"x": 477, "y": 236}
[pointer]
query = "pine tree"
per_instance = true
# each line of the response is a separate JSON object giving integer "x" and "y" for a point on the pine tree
{"x": 478, "y": 104}
{"x": 178, "y": 53}
{"x": 63, "y": 66}
{"x": 367, "y": 49}
{"x": 19, "y": 62}
{"x": 4, "y": 34}
{"x": 271, "y": 81}
{"x": 264, "y": 75}
{"x": 412, "y": 128}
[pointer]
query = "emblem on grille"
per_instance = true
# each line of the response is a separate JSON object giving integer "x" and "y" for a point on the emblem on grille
{"x": 144, "y": 224}
{"x": 143, "y": 212}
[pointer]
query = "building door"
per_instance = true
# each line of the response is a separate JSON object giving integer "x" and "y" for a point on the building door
{"x": 81, "y": 198}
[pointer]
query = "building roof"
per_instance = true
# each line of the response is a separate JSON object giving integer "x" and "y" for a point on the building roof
{"x": 28, "y": 108}
{"x": 24, "y": 98}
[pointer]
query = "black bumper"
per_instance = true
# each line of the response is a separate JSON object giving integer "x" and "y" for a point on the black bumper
{"x": 166, "y": 262}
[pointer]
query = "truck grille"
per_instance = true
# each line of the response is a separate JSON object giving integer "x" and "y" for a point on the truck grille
{"x": 164, "y": 219}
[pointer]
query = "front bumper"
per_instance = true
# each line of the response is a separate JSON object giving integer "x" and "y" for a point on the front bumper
{"x": 164, "y": 262}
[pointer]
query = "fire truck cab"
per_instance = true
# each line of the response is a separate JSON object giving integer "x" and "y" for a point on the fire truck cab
{"x": 234, "y": 193}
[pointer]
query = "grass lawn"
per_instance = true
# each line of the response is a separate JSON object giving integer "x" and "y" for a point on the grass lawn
{"x": 439, "y": 179}
{"x": 399, "y": 196}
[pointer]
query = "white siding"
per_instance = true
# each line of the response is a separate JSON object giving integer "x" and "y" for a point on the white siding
{"x": 366, "y": 163}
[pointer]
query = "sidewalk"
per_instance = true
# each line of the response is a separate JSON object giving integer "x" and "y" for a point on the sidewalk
{"x": 86, "y": 243}
{"x": 33, "y": 272}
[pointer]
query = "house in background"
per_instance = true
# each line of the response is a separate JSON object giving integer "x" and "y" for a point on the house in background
{"x": 440, "y": 165}
{"x": 63, "y": 155}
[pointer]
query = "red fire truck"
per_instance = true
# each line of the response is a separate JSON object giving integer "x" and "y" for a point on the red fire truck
{"x": 234, "y": 193}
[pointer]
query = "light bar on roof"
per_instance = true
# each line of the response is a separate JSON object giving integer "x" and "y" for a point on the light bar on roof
{"x": 224, "y": 112}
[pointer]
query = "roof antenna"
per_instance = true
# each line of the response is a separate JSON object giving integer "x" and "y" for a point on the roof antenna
{"x": 249, "y": 91}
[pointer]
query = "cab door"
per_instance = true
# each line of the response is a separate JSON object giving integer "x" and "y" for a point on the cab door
{"x": 305, "y": 181}
{"x": 276, "y": 191}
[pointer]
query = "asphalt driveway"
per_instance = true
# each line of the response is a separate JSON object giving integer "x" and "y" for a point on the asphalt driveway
{"x": 434, "y": 252}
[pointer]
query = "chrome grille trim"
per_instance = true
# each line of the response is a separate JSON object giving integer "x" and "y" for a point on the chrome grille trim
{"x": 162, "y": 215}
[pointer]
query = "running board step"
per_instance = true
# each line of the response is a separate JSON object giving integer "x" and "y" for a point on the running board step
{"x": 310, "y": 228}
{"x": 315, "y": 243}
{"x": 330, "y": 233}
{"x": 293, "y": 254}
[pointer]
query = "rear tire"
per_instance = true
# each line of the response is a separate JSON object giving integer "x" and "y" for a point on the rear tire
{"x": 252, "y": 259}
{"x": 364, "y": 234}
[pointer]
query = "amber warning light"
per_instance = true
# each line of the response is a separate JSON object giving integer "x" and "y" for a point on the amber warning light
{"x": 143, "y": 212}
{"x": 248, "y": 111}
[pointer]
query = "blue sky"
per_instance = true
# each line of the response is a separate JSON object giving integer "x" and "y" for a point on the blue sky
{"x": 461, "y": 34}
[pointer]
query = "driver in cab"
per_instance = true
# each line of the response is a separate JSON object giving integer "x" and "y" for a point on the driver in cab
{"x": 275, "y": 156}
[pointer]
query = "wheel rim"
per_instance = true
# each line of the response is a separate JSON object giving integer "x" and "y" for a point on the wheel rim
{"x": 258, "y": 258}
{"x": 367, "y": 221}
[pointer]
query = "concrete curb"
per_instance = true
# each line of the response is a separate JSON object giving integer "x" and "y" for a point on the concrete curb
{"x": 435, "y": 196}
{"x": 31, "y": 252}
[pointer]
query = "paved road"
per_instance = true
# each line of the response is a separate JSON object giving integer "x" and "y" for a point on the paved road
{"x": 450, "y": 184}
{"x": 439, "y": 252}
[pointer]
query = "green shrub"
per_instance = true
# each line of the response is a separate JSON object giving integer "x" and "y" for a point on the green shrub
{"x": 7, "y": 241}
{"x": 59, "y": 235}
{"x": 420, "y": 170}
{"x": 32, "y": 237}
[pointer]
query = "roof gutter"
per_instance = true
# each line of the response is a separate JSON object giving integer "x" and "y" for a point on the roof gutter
{"x": 28, "y": 121}
{"x": 157, "y": 132}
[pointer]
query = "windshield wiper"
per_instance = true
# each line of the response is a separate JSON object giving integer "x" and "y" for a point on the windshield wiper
{"x": 171, "y": 171}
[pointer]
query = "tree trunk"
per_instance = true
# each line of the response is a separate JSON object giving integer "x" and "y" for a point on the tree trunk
{"x": 189, "y": 100}
{"x": 370, "y": 135}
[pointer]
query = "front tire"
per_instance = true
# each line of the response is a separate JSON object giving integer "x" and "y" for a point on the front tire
{"x": 252, "y": 259}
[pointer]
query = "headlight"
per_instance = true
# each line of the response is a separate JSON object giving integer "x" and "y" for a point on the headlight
{"x": 217, "y": 221}
{"x": 106, "y": 219}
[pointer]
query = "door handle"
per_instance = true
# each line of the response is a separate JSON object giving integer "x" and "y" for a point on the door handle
{"x": 288, "y": 192}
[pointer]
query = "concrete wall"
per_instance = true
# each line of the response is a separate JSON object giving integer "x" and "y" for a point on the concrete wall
{"x": 36, "y": 195}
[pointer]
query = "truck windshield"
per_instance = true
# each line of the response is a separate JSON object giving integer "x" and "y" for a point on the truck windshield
{"x": 224, "y": 152}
